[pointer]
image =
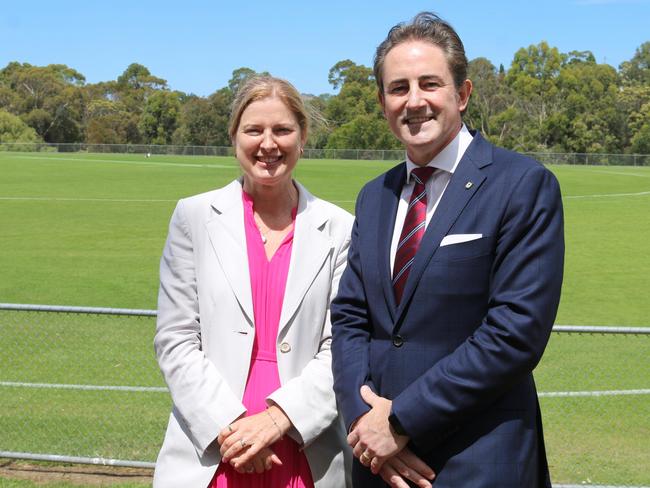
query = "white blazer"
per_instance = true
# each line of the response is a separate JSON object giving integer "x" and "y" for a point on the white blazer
{"x": 205, "y": 331}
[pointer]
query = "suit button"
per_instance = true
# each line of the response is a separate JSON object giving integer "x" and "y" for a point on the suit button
{"x": 285, "y": 347}
{"x": 398, "y": 341}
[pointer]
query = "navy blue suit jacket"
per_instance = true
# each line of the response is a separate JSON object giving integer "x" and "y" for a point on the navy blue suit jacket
{"x": 456, "y": 356}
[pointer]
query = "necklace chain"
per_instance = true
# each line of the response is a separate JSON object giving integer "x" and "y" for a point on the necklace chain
{"x": 263, "y": 233}
{"x": 260, "y": 225}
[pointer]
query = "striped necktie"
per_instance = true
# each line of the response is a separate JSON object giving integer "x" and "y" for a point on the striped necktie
{"x": 413, "y": 230}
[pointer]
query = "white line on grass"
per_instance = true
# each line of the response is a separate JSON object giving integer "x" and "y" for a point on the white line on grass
{"x": 603, "y": 195}
{"x": 127, "y": 200}
{"x": 60, "y": 199}
{"x": 135, "y": 200}
{"x": 163, "y": 389}
{"x": 596, "y": 486}
{"x": 144, "y": 163}
{"x": 621, "y": 173}
{"x": 593, "y": 393}
{"x": 85, "y": 387}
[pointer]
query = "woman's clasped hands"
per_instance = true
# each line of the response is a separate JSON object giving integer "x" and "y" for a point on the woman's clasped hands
{"x": 245, "y": 443}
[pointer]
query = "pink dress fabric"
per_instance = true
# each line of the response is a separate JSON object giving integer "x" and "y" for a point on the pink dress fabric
{"x": 268, "y": 283}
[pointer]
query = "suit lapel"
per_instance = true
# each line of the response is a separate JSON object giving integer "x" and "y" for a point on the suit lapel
{"x": 464, "y": 183}
{"x": 311, "y": 246}
{"x": 391, "y": 192}
{"x": 228, "y": 239}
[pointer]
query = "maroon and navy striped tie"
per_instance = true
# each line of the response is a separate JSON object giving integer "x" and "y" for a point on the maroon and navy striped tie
{"x": 413, "y": 230}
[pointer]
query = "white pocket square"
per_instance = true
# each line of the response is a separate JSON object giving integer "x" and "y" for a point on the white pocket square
{"x": 458, "y": 238}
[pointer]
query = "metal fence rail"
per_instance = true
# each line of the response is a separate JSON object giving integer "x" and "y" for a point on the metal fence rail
{"x": 310, "y": 153}
{"x": 81, "y": 385}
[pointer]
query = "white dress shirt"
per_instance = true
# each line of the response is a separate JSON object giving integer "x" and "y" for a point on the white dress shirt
{"x": 445, "y": 163}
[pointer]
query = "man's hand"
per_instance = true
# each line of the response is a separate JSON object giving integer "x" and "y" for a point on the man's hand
{"x": 373, "y": 440}
{"x": 406, "y": 466}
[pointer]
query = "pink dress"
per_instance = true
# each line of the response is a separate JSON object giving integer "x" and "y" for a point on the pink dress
{"x": 268, "y": 283}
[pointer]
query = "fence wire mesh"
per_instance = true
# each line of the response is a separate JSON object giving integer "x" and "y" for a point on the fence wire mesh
{"x": 310, "y": 153}
{"x": 62, "y": 379}
{"x": 86, "y": 385}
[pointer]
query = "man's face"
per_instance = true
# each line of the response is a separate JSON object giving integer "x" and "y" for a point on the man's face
{"x": 420, "y": 101}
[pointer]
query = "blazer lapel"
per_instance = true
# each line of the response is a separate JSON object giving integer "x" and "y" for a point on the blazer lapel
{"x": 228, "y": 238}
{"x": 464, "y": 183}
{"x": 391, "y": 192}
{"x": 311, "y": 246}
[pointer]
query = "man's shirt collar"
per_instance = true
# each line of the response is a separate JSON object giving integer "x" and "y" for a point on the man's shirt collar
{"x": 447, "y": 159}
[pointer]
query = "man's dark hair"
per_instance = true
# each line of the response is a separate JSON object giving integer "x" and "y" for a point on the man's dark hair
{"x": 427, "y": 27}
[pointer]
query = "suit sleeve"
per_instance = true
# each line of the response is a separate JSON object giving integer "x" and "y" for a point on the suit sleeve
{"x": 307, "y": 399}
{"x": 525, "y": 285}
{"x": 351, "y": 334}
{"x": 200, "y": 394}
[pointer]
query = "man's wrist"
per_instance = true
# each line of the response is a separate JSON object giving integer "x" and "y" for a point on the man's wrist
{"x": 396, "y": 424}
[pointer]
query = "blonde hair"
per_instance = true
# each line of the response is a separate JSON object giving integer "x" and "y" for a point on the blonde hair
{"x": 260, "y": 87}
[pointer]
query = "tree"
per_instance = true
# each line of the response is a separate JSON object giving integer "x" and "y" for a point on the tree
{"x": 320, "y": 129}
{"x": 138, "y": 77}
{"x": 589, "y": 119}
{"x": 634, "y": 103}
{"x": 347, "y": 71}
{"x": 637, "y": 70}
{"x": 220, "y": 101}
{"x": 112, "y": 111}
{"x": 108, "y": 122}
{"x": 489, "y": 97}
{"x": 532, "y": 78}
{"x": 134, "y": 86}
{"x": 355, "y": 115}
{"x": 364, "y": 131}
{"x": 239, "y": 77}
{"x": 634, "y": 97}
{"x": 574, "y": 57}
{"x": 160, "y": 117}
{"x": 13, "y": 129}
{"x": 49, "y": 99}
{"x": 203, "y": 122}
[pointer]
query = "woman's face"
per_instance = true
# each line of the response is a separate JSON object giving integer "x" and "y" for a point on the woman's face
{"x": 268, "y": 142}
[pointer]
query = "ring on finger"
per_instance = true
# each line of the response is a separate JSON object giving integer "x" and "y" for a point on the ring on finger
{"x": 229, "y": 428}
{"x": 243, "y": 443}
{"x": 365, "y": 458}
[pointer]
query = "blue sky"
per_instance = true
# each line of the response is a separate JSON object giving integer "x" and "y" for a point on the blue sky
{"x": 196, "y": 44}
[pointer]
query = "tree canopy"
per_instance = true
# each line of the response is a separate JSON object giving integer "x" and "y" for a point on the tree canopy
{"x": 545, "y": 100}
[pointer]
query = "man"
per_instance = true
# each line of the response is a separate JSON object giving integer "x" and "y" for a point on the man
{"x": 436, "y": 332}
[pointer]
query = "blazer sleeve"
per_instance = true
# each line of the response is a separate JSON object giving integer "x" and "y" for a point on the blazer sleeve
{"x": 351, "y": 334}
{"x": 525, "y": 285}
{"x": 308, "y": 399}
{"x": 201, "y": 396}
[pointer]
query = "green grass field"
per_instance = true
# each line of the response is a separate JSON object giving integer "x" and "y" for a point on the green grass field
{"x": 85, "y": 229}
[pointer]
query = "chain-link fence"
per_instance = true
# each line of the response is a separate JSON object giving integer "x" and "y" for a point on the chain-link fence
{"x": 310, "y": 153}
{"x": 82, "y": 385}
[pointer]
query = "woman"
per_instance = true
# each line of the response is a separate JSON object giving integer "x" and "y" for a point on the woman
{"x": 243, "y": 332}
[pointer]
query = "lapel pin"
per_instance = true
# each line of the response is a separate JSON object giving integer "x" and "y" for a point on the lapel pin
{"x": 469, "y": 184}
